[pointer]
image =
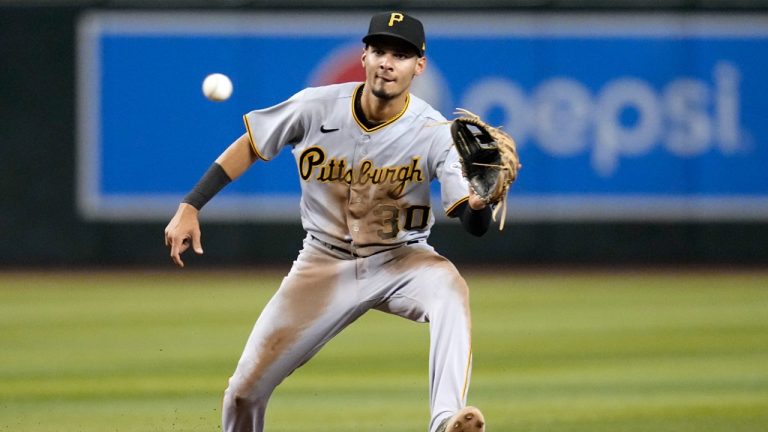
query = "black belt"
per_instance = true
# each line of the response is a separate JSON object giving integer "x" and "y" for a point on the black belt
{"x": 349, "y": 252}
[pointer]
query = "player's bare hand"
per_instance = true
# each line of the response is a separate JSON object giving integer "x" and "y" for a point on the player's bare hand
{"x": 182, "y": 231}
{"x": 475, "y": 202}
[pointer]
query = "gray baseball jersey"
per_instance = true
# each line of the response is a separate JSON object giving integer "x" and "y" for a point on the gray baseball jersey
{"x": 363, "y": 189}
{"x": 366, "y": 207}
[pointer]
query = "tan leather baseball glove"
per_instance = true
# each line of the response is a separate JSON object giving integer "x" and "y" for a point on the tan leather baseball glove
{"x": 489, "y": 159}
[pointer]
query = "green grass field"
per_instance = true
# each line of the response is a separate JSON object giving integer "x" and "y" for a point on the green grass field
{"x": 554, "y": 351}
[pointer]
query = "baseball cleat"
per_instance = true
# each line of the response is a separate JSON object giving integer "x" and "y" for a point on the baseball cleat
{"x": 468, "y": 419}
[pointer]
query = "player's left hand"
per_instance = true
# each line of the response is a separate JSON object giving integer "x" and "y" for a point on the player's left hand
{"x": 475, "y": 202}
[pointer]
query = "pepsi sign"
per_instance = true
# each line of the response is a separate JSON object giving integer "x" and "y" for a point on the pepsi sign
{"x": 649, "y": 117}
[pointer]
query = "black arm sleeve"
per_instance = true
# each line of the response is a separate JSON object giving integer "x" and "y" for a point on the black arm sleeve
{"x": 476, "y": 222}
{"x": 209, "y": 185}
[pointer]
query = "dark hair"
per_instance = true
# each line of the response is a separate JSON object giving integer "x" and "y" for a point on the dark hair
{"x": 399, "y": 44}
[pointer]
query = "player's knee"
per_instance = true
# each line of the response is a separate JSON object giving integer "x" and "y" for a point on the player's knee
{"x": 239, "y": 400}
{"x": 450, "y": 295}
{"x": 453, "y": 286}
{"x": 240, "y": 392}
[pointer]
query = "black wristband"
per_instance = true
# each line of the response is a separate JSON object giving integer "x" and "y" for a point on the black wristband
{"x": 209, "y": 185}
{"x": 476, "y": 222}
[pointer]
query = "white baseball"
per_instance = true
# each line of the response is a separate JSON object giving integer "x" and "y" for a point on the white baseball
{"x": 217, "y": 87}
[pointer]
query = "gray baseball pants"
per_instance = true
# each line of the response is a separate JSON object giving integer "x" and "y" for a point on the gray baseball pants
{"x": 325, "y": 291}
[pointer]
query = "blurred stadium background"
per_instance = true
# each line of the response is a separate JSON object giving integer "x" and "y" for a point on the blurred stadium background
{"x": 587, "y": 323}
{"x": 41, "y": 222}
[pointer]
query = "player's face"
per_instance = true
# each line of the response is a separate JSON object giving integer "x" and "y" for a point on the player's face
{"x": 390, "y": 68}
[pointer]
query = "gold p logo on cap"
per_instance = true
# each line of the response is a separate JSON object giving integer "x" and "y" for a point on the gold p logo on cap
{"x": 395, "y": 17}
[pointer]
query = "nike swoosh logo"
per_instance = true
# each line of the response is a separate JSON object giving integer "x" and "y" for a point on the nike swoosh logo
{"x": 324, "y": 130}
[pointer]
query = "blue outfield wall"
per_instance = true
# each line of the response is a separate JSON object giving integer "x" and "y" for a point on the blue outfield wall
{"x": 619, "y": 118}
{"x": 641, "y": 135}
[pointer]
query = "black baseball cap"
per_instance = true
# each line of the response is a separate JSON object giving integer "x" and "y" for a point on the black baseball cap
{"x": 398, "y": 25}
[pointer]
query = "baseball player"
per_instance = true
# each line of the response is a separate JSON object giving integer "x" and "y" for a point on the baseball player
{"x": 366, "y": 154}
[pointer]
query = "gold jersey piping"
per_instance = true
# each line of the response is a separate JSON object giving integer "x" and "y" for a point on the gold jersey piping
{"x": 456, "y": 204}
{"x": 386, "y": 123}
{"x": 250, "y": 139}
